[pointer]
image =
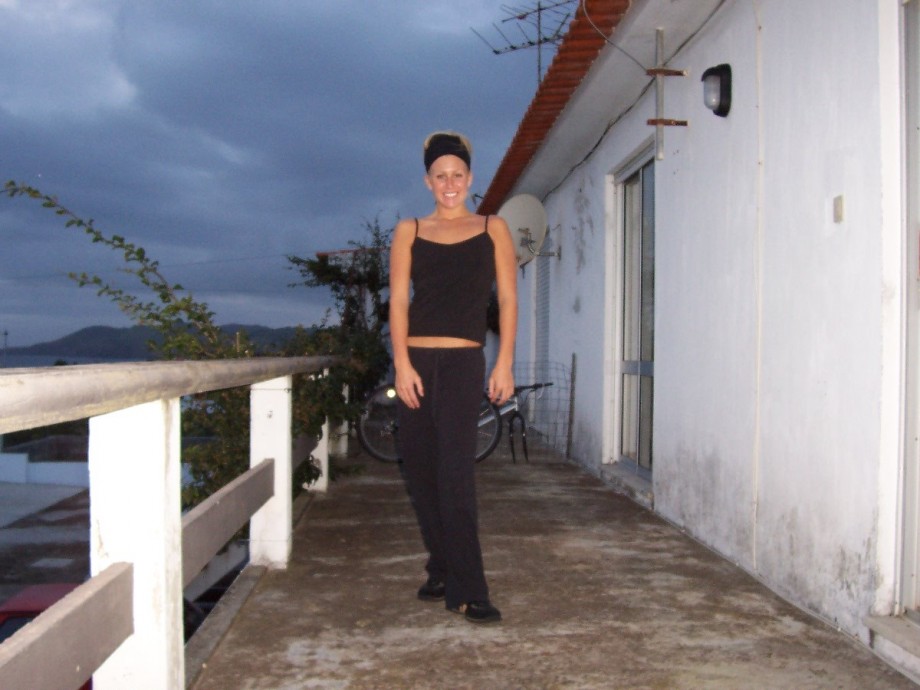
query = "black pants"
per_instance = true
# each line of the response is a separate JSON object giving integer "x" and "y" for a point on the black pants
{"x": 437, "y": 443}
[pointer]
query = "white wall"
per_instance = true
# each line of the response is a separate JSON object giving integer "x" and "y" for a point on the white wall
{"x": 820, "y": 388}
{"x": 706, "y": 312}
{"x": 577, "y": 299}
{"x": 15, "y": 468}
{"x": 769, "y": 323}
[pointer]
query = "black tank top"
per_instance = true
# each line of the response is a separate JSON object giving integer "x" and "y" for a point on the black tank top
{"x": 451, "y": 284}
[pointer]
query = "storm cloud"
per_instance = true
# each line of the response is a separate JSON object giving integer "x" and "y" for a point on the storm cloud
{"x": 223, "y": 136}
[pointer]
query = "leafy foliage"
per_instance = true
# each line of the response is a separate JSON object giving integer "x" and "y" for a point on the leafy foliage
{"x": 358, "y": 279}
{"x": 186, "y": 324}
{"x": 188, "y": 331}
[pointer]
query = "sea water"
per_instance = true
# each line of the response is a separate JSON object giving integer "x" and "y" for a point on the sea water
{"x": 12, "y": 361}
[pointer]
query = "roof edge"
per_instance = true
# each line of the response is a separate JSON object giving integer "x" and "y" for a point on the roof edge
{"x": 577, "y": 53}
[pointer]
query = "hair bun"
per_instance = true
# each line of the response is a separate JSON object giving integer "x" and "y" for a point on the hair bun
{"x": 446, "y": 144}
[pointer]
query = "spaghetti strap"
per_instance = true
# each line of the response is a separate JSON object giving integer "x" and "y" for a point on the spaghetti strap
{"x": 487, "y": 224}
{"x": 416, "y": 227}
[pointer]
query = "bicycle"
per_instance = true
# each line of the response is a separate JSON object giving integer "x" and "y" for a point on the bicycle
{"x": 512, "y": 410}
{"x": 377, "y": 427}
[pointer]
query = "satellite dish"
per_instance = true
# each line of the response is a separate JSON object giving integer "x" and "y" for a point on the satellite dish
{"x": 526, "y": 219}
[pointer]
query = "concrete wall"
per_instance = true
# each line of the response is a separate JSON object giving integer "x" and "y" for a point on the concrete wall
{"x": 822, "y": 284}
{"x": 771, "y": 405}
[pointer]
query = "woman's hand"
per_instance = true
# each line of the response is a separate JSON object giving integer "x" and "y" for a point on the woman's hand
{"x": 501, "y": 385}
{"x": 409, "y": 387}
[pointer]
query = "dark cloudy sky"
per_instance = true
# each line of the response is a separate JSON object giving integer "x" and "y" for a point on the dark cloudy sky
{"x": 222, "y": 135}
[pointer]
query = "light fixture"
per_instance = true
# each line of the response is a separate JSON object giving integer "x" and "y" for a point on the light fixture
{"x": 717, "y": 89}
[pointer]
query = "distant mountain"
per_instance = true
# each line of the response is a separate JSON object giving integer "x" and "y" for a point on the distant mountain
{"x": 105, "y": 342}
{"x": 96, "y": 342}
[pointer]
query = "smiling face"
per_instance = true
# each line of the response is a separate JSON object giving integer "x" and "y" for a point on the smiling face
{"x": 449, "y": 180}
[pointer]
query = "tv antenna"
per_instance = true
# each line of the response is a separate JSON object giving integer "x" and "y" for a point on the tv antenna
{"x": 536, "y": 29}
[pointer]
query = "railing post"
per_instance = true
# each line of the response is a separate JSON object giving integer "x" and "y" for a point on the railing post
{"x": 321, "y": 454}
{"x": 341, "y": 433}
{"x": 270, "y": 437}
{"x": 135, "y": 516}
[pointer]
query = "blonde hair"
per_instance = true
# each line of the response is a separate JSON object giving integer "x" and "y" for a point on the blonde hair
{"x": 463, "y": 140}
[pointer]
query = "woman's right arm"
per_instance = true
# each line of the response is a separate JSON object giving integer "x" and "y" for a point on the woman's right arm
{"x": 408, "y": 382}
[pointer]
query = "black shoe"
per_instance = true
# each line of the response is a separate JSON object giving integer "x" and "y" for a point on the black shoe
{"x": 432, "y": 590}
{"x": 478, "y": 612}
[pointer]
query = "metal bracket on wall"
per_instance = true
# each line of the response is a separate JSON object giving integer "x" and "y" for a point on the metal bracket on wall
{"x": 557, "y": 253}
{"x": 528, "y": 243}
{"x": 660, "y": 72}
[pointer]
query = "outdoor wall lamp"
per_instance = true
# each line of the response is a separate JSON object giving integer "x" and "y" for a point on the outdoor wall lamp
{"x": 717, "y": 89}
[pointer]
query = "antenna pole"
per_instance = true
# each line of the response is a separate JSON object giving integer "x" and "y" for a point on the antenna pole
{"x": 543, "y": 30}
{"x": 539, "y": 44}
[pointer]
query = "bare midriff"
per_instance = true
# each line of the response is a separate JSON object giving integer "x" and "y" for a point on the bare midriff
{"x": 439, "y": 341}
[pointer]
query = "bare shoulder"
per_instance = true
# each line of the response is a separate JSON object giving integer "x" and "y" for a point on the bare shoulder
{"x": 497, "y": 223}
{"x": 498, "y": 229}
{"x": 404, "y": 231}
{"x": 405, "y": 225}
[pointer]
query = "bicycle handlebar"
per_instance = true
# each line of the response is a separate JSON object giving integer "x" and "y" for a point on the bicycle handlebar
{"x": 531, "y": 387}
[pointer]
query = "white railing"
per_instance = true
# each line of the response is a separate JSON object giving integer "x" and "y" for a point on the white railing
{"x": 123, "y": 627}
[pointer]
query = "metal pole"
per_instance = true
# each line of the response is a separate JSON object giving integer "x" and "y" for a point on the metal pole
{"x": 568, "y": 432}
{"x": 539, "y": 43}
{"x": 659, "y": 95}
{"x": 3, "y": 365}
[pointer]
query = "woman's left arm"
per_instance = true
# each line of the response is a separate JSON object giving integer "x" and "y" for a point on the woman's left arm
{"x": 501, "y": 380}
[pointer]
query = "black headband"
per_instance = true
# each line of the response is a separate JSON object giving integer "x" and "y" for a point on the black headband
{"x": 446, "y": 145}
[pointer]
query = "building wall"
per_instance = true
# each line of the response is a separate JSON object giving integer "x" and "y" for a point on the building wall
{"x": 15, "y": 468}
{"x": 821, "y": 388}
{"x": 577, "y": 298}
{"x": 770, "y": 323}
{"x": 707, "y": 292}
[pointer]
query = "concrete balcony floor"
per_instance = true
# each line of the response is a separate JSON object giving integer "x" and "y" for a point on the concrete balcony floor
{"x": 596, "y": 592}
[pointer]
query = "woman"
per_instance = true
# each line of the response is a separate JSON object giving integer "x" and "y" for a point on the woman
{"x": 451, "y": 258}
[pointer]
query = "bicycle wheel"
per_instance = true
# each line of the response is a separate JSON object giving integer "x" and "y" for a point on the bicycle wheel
{"x": 489, "y": 430}
{"x": 377, "y": 426}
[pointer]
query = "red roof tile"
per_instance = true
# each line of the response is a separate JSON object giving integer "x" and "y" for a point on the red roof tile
{"x": 576, "y": 54}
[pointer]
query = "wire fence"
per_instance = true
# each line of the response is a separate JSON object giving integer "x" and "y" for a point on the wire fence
{"x": 545, "y": 413}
